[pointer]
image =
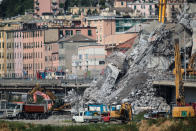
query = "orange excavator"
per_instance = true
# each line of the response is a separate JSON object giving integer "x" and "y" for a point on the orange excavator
{"x": 57, "y": 106}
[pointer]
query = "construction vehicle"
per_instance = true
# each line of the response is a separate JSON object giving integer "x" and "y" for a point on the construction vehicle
{"x": 28, "y": 111}
{"x": 191, "y": 66}
{"x": 181, "y": 110}
{"x": 123, "y": 113}
{"x": 85, "y": 117}
{"x": 57, "y": 106}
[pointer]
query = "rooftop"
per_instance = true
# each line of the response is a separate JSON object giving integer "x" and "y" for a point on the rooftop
{"x": 77, "y": 38}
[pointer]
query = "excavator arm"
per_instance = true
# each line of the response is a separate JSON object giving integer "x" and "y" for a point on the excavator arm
{"x": 179, "y": 83}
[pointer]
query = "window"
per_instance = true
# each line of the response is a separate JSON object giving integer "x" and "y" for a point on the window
{"x": 150, "y": 7}
{"x": 78, "y": 32}
{"x": 80, "y": 57}
{"x": 89, "y": 33}
{"x": 101, "y": 62}
{"x": 69, "y": 32}
{"x": 122, "y": 3}
{"x": 86, "y": 55}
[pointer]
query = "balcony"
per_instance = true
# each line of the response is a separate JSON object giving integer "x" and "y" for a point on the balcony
{"x": 37, "y": 2}
{"x": 37, "y": 8}
{"x": 54, "y": 3}
{"x": 54, "y": 8}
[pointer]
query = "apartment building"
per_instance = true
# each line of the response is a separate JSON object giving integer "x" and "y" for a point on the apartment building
{"x": 89, "y": 32}
{"x": 144, "y": 8}
{"x": 69, "y": 47}
{"x": 84, "y": 10}
{"x": 47, "y": 6}
{"x": 2, "y": 54}
{"x": 90, "y": 60}
{"x": 10, "y": 54}
{"x": 18, "y": 54}
{"x": 51, "y": 56}
{"x": 33, "y": 52}
{"x": 105, "y": 26}
{"x": 121, "y": 3}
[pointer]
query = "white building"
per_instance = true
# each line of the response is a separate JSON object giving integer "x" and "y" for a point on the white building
{"x": 90, "y": 60}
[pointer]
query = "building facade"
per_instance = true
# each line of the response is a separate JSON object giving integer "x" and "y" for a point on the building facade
{"x": 105, "y": 26}
{"x": 90, "y": 60}
{"x": 33, "y": 52}
{"x": 18, "y": 54}
{"x": 47, "y": 7}
{"x": 51, "y": 56}
{"x": 84, "y": 10}
{"x": 89, "y": 32}
{"x": 144, "y": 8}
{"x": 69, "y": 47}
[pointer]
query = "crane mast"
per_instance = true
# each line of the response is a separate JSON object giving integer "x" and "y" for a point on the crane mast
{"x": 180, "y": 100}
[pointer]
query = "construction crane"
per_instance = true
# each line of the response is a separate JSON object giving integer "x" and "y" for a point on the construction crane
{"x": 181, "y": 110}
{"x": 162, "y": 10}
{"x": 163, "y": 5}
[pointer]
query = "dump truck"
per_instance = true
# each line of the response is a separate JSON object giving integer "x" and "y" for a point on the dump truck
{"x": 28, "y": 111}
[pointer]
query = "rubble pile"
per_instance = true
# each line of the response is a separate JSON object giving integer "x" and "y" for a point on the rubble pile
{"x": 130, "y": 76}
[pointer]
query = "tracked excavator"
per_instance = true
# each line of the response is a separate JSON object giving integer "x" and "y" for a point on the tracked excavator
{"x": 124, "y": 114}
{"x": 180, "y": 110}
{"x": 57, "y": 106}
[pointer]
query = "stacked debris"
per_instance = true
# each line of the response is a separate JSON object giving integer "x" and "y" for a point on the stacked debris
{"x": 130, "y": 76}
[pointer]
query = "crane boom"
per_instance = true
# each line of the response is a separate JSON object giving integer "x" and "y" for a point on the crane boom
{"x": 162, "y": 10}
{"x": 179, "y": 83}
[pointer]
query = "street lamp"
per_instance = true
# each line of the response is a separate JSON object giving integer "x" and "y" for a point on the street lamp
{"x": 87, "y": 68}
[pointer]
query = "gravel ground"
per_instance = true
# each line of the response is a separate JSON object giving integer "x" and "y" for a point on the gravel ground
{"x": 52, "y": 120}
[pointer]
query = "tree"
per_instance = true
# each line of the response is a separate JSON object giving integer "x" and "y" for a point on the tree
{"x": 9, "y": 8}
{"x": 89, "y": 12}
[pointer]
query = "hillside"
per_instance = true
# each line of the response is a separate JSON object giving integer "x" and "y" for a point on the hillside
{"x": 10, "y": 8}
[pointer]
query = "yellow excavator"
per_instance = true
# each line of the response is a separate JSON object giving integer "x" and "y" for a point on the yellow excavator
{"x": 58, "y": 106}
{"x": 181, "y": 110}
{"x": 124, "y": 114}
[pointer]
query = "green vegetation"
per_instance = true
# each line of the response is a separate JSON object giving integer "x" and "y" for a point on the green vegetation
{"x": 139, "y": 117}
{"x": 162, "y": 123}
{"x": 183, "y": 125}
{"x": 17, "y": 126}
{"x": 9, "y": 8}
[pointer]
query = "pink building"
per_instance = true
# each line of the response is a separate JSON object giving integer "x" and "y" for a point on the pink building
{"x": 89, "y": 32}
{"x": 143, "y": 8}
{"x": 121, "y": 3}
{"x": 33, "y": 53}
{"x": 51, "y": 56}
{"x": 90, "y": 60}
{"x": 105, "y": 25}
{"x": 18, "y": 54}
{"x": 46, "y": 6}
